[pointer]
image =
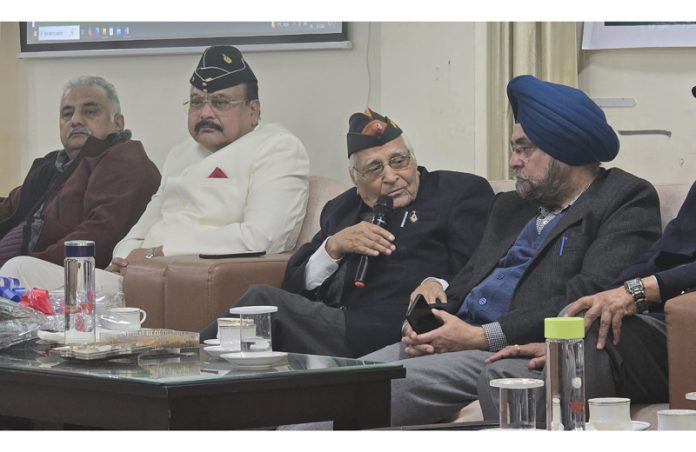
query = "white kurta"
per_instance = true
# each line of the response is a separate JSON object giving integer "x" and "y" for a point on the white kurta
{"x": 258, "y": 207}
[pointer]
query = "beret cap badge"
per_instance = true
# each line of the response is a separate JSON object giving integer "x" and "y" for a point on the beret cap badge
{"x": 370, "y": 129}
{"x": 221, "y": 67}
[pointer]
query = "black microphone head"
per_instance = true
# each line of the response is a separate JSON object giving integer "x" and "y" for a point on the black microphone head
{"x": 385, "y": 201}
{"x": 384, "y": 205}
{"x": 693, "y": 91}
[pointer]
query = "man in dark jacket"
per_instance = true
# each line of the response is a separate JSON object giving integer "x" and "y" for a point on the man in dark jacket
{"x": 95, "y": 188}
{"x": 625, "y": 342}
{"x": 546, "y": 244}
{"x": 436, "y": 222}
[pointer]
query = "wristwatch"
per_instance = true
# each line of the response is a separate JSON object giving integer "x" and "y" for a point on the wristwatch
{"x": 636, "y": 289}
{"x": 149, "y": 253}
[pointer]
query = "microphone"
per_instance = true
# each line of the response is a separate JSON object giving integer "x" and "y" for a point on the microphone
{"x": 380, "y": 211}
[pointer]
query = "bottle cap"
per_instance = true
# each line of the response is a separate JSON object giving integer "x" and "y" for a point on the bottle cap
{"x": 564, "y": 328}
{"x": 79, "y": 248}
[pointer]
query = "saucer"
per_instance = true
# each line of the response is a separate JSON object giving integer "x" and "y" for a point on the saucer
{"x": 259, "y": 367}
{"x": 246, "y": 359}
{"x": 216, "y": 351}
{"x": 635, "y": 425}
{"x": 212, "y": 342}
{"x": 640, "y": 425}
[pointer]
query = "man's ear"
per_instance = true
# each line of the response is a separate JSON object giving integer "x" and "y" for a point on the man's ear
{"x": 120, "y": 121}
{"x": 255, "y": 106}
{"x": 352, "y": 176}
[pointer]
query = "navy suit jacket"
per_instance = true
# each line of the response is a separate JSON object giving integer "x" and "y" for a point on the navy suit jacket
{"x": 434, "y": 236}
{"x": 672, "y": 258}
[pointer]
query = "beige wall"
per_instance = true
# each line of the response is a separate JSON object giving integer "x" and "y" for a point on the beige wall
{"x": 430, "y": 77}
{"x": 12, "y": 109}
{"x": 660, "y": 80}
{"x": 421, "y": 74}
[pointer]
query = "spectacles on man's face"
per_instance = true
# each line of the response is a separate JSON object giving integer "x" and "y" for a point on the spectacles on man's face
{"x": 375, "y": 169}
{"x": 522, "y": 150}
{"x": 218, "y": 103}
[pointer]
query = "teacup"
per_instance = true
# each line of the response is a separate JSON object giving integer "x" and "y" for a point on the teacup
{"x": 675, "y": 419}
{"x": 125, "y": 319}
{"x": 610, "y": 413}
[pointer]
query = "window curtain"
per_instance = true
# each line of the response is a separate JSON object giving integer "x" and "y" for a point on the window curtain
{"x": 547, "y": 50}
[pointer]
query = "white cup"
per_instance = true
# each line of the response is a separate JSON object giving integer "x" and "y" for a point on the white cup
{"x": 610, "y": 413}
{"x": 125, "y": 319}
{"x": 676, "y": 419}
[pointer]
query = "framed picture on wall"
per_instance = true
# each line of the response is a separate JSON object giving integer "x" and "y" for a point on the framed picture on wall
{"x": 76, "y": 39}
{"x": 625, "y": 35}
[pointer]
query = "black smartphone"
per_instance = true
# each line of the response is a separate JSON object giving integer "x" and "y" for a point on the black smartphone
{"x": 420, "y": 315}
{"x": 225, "y": 256}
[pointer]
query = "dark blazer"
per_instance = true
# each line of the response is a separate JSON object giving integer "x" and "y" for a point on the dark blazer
{"x": 450, "y": 215}
{"x": 608, "y": 227}
{"x": 672, "y": 258}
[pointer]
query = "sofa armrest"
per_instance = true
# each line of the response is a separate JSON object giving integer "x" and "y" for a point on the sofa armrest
{"x": 680, "y": 314}
{"x": 187, "y": 292}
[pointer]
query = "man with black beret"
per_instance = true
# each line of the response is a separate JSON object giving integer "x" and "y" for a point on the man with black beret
{"x": 235, "y": 186}
{"x": 434, "y": 225}
{"x": 238, "y": 186}
{"x": 567, "y": 230}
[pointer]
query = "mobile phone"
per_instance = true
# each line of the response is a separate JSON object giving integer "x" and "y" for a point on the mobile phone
{"x": 420, "y": 315}
{"x": 225, "y": 256}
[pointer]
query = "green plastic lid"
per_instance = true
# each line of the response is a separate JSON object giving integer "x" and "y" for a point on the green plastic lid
{"x": 564, "y": 328}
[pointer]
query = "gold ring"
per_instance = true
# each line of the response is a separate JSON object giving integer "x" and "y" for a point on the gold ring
{"x": 517, "y": 347}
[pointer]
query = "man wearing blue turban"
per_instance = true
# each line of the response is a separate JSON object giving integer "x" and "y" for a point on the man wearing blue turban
{"x": 551, "y": 241}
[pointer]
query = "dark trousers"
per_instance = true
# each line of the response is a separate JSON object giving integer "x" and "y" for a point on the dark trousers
{"x": 299, "y": 326}
{"x": 636, "y": 367}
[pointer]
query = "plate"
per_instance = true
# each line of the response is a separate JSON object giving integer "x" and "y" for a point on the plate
{"x": 259, "y": 367}
{"x": 636, "y": 425}
{"x": 216, "y": 351}
{"x": 242, "y": 359}
{"x": 212, "y": 342}
{"x": 640, "y": 425}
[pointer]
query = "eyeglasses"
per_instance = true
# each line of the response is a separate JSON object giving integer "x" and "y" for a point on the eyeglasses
{"x": 522, "y": 151}
{"x": 376, "y": 169}
{"x": 217, "y": 103}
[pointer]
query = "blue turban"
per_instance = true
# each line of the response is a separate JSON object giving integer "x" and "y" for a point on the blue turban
{"x": 562, "y": 121}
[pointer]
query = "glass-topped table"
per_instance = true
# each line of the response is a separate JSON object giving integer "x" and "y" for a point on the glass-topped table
{"x": 192, "y": 391}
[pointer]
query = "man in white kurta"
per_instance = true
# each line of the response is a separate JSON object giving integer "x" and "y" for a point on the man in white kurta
{"x": 235, "y": 186}
{"x": 259, "y": 206}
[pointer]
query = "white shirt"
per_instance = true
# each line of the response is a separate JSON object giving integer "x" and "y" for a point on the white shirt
{"x": 319, "y": 267}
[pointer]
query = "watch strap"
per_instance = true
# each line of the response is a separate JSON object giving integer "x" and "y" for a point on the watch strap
{"x": 636, "y": 289}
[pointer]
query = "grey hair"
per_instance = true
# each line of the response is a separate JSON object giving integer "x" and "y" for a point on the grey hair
{"x": 95, "y": 81}
{"x": 407, "y": 143}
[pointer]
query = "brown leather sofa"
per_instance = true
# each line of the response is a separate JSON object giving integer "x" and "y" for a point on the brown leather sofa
{"x": 187, "y": 292}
